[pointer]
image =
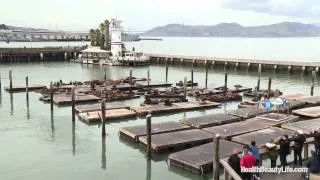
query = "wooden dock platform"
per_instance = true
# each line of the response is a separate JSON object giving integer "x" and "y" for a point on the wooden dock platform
{"x": 306, "y": 126}
{"x": 66, "y": 98}
{"x": 247, "y": 112}
{"x": 261, "y": 137}
{"x": 175, "y": 107}
{"x": 313, "y": 100}
{"x": 111, "y": 114}
{"x": 153, "y": 84}
{"x": 179, "y": 140}
{"x": 233, "y": 129}
{"x": 200, "y": 159}
{"x": 97, "y": 107}
{"x": 32, "y": 87}
{"x": 134, "y": 132}
{"x": 210, "y": 120}
{"x": 313, "y": 112}
{"x": 274, "y": 119}
{"x": 298, "y": 96}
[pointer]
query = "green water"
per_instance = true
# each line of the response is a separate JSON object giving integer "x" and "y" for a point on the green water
{"x": 36, "y": 146}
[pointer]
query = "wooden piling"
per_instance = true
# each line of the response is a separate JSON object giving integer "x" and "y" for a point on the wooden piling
{"x": 103, "y": 117}
{"x": 192, "y": 77}
{"x": 51, "y": 96}
{"x": 167, "y": 69}
{"x": 216, "y": 160}
{"x": 269, "y": 87}
{"x": 225, "y": 82}
{"x": 312, "y": 86}
{"x": 148, "y": 79}
{"x": 185, "y": 88}
{"x": 130, "y": 76}
{"x": 73, "y": 103}
{"x": 10, "y": 78}
{"x": 259, "y": 77}
{"x": 206, "y": 82}
{"x": 105, "y": 73}
{"x": 148, "y": 155}
{"x": 27, "y": 87}
{"x": 0, "y": 83}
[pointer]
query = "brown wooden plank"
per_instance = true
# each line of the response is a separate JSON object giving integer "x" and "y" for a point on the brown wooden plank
{"x": 96, "y": 107}
{"x": 306, "y": 126}
{"x": 247, "y": 112}
{"x": 314, "y": 100}
{"x": 134, "y": 132}
{"x": 177, "y": 140}
{"x": 298, "y": 96}
{"x": 94, "y": 116}
{"x": 233, "y": 129}
{"x": 274, "y": 119}
{"x": 210, "y": 120}
{"x": 66, "y": 98}
{"x": 200, "y": 159}
{"x": 262, "y": 136}
{"x": 313, "y": 112}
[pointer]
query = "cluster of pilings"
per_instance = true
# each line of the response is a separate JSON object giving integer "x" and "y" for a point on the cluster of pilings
{"x": 11, "y": 55}
{"x": 237, "y": 64}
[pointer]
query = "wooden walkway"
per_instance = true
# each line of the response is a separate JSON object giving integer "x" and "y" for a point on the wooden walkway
{"x": 177, "y": 140}
{"x": 134, "y": 132}
{"x": 33, "y": 87}
{"x": 233, "y": 129}
{"x": 262, "y": 136}
{"x": 306, "y": 126}
{"x": 200, "y": 159}
{"x": 247, "y": 112}
{"x": 97, "y": 107}
{"x": 111, "y": 114}
{"x": 313, "y": 112}
{"x": 210, "y": 120}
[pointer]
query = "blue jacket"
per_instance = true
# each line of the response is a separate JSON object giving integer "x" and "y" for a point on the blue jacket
{"x": 255, "y": 152}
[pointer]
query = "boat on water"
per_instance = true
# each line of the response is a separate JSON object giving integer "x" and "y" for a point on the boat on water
{"x": 128, "y": 59}
{"x": 93, "y": 55}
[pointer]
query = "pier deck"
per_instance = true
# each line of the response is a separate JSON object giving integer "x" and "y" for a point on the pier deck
{"x": 313, "y": 112}
{"x": 66, "y": 98}
{"x": 274, "y": 119}
{"x": 97, "y": 107}
{"x": 134, "y": 132}
{"x": 313, "y": 100}
{"x": 295, "y": 96}
{"x": 200, "y": 159}
{"x": 111, "y": 114}
{"x": 144, "y": 84}
{"x": 233, "y": 129}
{"x": 210, "y": 120}
{"x": 177, "y": 140}
{"x": 247, "y": 112}
{"x": 306, "y": 126}
{"x": 263, "y": 136}
{"x": 32, "y": 87}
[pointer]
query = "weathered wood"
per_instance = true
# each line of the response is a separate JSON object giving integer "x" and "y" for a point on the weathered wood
{"x": 97, "y": 107}
{"x": 274, "y": 119}
{"x": 199, "y": 159}
{"x": 148, "y": 135}
{"x": 10, "y": 79}
{"x": 130, "y": 76}
{"x": 306, "y": 126}
{"x": 105, "y": 73}
{"x": 298, "y": 96}
{"x": 261, "y": 137}
{"x": 66, "y": 98}
{"x": 259, "y": 77}
{"x": 225, "y": 82}
{"x": 177, "y": 140}
{"x": 134, "y": 132}
{"x": 185, "y": 88}
{"x": 210, "y": 120}
{"x": 192, "y": 77}
{"x": 93, "y": 117}
{"x": 206, "y": 82}
{"x": 216, "y": 164}
{"x": 31, "y": 87}
{"x": 152, "y": 84}
{"x": 148, "y": 79}
{"x": 228, "y": 170}
{"x": 313, "y": 112}
{"x": 73, "y": 103}
{"x": 269, "y": 87}
{"x": 51, "y": 96}
{"x": 312, "y": 86}
{"x": 247, "y": 112}
{"x": 27, "y": 84}
{"x": 313, "y": 100}
{"x": 234, "y": 129}
{"x": 167, "y": 71}
{"x": 103, "y": 117}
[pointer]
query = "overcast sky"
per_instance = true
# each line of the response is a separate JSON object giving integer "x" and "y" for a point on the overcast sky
{"x": 80, "y": 15}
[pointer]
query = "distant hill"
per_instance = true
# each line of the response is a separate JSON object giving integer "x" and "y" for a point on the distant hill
{"x": 8, "y": 27}
{"x": 285, "y": 29}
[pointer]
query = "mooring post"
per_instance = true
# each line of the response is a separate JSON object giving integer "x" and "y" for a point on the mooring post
{"x": 225, "y": 82}
{"x": 167, "y": 69}
{"x": 148, "y": 79}
{"x": 51, "y": 96}
{"x": 185, "y": 88}
{"x": 130, "y": 76}
{"x": 206, "y": 82}
{"x": 73, "y": 103}
{"x": 216, "y": 160}
{"x": 10, "y": 78}
{"x": 312, "y": 86}
{"x": 269, "y": 87}
{"x": 0, "y": 83}
{"x": 103, "y": 114}
{"x": 259, "y": 77}
{"x": 105, "y": 73}
{"x": 148, "y": 136}
{"x": 27, "y": 87}
{"x": 192, "y": 77}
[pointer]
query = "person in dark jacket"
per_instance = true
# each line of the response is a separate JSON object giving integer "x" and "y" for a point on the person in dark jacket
{"x": 317, "y": 140}
{"x": 313, "y": 165}
{"x": 234, "y": 162}
{"x": 299, "y": 140}
{"x": 284, "y": 150}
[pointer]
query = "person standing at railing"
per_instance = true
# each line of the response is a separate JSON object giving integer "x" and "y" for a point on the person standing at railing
{"x": 284, "y": 150}
{"x": 247, "y": 161}
{"x": 272, "y": 152}
{"x": 299, "y": 140}
{"x": 234, "y": 162}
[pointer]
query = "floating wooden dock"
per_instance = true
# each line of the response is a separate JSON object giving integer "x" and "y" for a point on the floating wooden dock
{"x": 247, "y": 112}
{"x": 66, "y": 98}
{"x": 111, "y": 114}
{"x": 261, "y": 137}
{"x": 97, "y": 107}
{"x": 313, "y": 100}
{"x": 177, "y": 140}
{"x": 274, "y": 119}
{"x": 144, "y": 84}
{"x": 175, "y": 107}
{"x": 313, "y": 112}
{"x": 233, "y": 129}
{"x": 200, "y": 159}
{"x": 134, "y": 132}
{"x": 298, "y": 96}
{"x": 33, "y": 87}
{"x": 306, "y": 126}
{"x": 210, "y": 120}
